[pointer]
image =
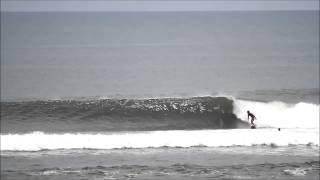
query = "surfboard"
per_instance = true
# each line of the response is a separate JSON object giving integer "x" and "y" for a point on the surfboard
{"x": 253, "y": 126}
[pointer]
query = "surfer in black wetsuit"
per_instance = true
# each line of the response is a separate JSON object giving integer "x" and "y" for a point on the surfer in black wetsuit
{"x": 253, "y": 117}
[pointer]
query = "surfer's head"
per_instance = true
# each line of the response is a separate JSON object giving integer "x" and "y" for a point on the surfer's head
{"x": 248, "y": 112}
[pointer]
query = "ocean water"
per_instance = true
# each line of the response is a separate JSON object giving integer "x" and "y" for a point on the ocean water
{"x": 160, "y": 95}
{"x": 159, "y": 138}
{"x": 168, "y": 54}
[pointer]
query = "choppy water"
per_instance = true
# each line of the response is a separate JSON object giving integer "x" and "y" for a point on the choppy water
{"x": 259, "y": 162}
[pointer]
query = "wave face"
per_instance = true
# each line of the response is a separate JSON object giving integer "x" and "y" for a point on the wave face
{"x": 106, "y": 115}
{"x": 143, "y": 123}
{"x": 212, "y": 138}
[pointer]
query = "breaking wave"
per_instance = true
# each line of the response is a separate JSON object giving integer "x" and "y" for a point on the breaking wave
{"x": 166, "y": 122}
{"x": 119, "y": 115}
{"x": 280, "y": 114}
{"x": 68, "y": 116}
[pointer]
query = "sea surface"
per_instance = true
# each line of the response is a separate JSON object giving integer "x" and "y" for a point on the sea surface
{"x": 142, "y": 95}
{"x": 160, "y": 138}
{"x": 169, "y": 54}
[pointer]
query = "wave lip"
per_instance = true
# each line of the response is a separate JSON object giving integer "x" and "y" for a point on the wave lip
{"x": 211, "y": 138}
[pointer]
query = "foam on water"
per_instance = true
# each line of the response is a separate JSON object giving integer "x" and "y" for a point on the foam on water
{"x": 211, "y": 138}
{"x": 297, "y": 171}
{"x": 279, "y": 114}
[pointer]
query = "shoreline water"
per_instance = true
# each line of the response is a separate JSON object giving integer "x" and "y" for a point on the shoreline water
{"x": 257, "y": 162}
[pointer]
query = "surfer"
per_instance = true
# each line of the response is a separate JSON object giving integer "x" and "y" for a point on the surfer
{"x": 253, "y": 117}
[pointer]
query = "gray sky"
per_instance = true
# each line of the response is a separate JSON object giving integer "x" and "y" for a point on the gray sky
{"x": 159, "y": 5}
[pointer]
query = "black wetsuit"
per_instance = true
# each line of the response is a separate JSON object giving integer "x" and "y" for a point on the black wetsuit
{"x": 252, "y": 117}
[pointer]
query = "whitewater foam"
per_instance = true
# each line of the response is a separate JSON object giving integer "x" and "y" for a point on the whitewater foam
{"x": 279, "y": 114}
{"x": 211, "y": 138}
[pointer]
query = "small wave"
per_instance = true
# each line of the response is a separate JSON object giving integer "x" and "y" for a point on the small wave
{"x": 211, "y": 138}
{"x": 297, "y": 171}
